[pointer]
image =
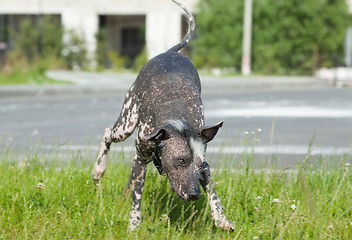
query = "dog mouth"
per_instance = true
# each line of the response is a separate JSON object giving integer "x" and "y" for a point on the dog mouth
{"x": 186, "y": 193}
{"x": 188, "y": 198}
{"x": 192, "y": 196}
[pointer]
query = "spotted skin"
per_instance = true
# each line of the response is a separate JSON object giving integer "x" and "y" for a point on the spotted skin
{"x": 164, "y": 105}
{"x": 122, "y": 129}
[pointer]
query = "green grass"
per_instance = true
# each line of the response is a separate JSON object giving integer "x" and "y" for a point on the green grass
{"x": 34, "y": 74}
{"x": 31, "y": 77}
{"x": 19, "y": 77}
{"x": 307, "y": 202}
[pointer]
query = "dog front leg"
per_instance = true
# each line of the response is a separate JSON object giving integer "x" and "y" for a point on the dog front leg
{"x": 216, "y": 209}
{"x": 137, "y": 182}
{"x": 100, "y": 165}
{"x": 123, "y": 128}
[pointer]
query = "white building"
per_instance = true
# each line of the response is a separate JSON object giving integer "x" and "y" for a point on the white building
{"x": 131, "y": 24}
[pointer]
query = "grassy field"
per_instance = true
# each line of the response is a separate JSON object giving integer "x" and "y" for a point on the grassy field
{"x": 44, "y": 197}
{"x": 25, "y": 77}
{"x": 34, "y": 74}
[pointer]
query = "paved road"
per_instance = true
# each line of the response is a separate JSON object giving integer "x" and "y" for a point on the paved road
{"x": 288, "y": 120}
{"x": 271, "y": 122}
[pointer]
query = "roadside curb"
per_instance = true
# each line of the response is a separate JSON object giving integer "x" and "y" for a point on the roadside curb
{"x": 53, "y": 90}
{"x": 212, "y": 83}
{"x": 87, "y": 83}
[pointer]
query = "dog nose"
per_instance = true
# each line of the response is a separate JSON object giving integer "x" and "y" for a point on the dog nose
{"x": 194, "y": 194}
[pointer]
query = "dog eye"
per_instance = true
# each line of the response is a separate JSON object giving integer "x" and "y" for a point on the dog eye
{"x": 181, "y": 161}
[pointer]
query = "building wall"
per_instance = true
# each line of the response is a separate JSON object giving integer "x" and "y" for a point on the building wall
{"x": 349, "y": 3}
{"x": 163, "y": 17}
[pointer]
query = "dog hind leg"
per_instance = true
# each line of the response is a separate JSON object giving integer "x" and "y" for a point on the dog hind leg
{"x": 216, "y": 209}
{"x": 122, "y": 129}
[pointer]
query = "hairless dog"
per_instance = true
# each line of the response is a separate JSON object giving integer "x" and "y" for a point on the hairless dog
{"x": 164, "y": 104}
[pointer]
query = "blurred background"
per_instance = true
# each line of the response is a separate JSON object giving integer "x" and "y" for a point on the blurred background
{"x": 287, "y": 37}
{"x": 277, "y": 72}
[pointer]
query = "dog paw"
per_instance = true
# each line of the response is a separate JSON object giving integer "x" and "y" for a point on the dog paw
{"x": 98, "y": 172}
{"x": 135, "y": 220}
{"x": 225, "y": 225}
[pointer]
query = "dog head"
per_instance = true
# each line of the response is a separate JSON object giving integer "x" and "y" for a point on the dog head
{"x": 182, "y": 152}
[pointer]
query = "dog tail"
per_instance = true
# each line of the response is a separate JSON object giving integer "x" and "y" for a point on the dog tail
{"x": 191, "y": 26}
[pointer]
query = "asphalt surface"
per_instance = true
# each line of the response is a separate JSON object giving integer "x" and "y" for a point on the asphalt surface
{"x": 275, "y": 118}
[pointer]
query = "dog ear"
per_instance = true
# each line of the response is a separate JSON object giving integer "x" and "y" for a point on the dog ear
{"x": 208, "y": 133}
{"x": 158, "y": 135}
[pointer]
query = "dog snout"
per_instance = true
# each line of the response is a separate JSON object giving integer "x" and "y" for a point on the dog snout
{"x": 194, "y": 194}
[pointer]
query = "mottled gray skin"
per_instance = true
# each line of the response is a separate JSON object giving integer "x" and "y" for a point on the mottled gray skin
{"x": 165, "y": 106}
